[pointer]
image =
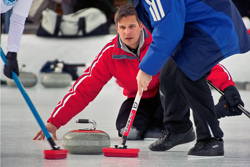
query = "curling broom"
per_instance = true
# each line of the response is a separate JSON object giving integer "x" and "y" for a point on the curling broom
{"x": 56, "y": 152}
{"x": 122, "y": 150}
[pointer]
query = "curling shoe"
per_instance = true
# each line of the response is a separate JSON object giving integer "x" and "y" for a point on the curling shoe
{"x": 168, "y": 140}
{"x": 208, "y": 148}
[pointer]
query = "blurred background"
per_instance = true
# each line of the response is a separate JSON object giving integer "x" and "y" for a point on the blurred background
{"x": 64, "y": 7}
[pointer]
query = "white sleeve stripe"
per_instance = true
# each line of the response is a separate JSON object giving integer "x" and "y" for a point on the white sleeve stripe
{"x": 151, "y": 10}
{"x": 156, "y": 10}
{"x": 160, "y": 8}
{"x": 88, "y": 74}
{"x": 152, "y": 13}
{"x": 148, "y": 2}
{"x": 228, "y": 74}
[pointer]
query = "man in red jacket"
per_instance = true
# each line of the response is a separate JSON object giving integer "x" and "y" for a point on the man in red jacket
{"x": 120, "y": 58}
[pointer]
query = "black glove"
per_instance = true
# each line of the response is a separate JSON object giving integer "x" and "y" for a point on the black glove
{"x": 223, "y": 109}
{"x": 233, "y": 96}
{"x": 12, "y": 65}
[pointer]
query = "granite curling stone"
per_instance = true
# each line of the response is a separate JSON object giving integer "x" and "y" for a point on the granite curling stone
{"x": 86, "y": 141}
{"x": 56, "y": 80}
{"x": 28, "y": 79}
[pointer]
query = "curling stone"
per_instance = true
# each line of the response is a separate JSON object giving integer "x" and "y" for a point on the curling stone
{"x": 27, "y": 79}
{"x": 86, "y": 141}
{"x": 56, "y": 80}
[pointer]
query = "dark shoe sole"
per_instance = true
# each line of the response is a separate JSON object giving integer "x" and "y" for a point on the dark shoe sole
{"x": 194, "y": 157}
{"x": 213, "y": 154}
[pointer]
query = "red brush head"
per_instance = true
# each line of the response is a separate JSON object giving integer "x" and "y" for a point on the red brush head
{"x": 120, "y": 152}
{"x": 55, "y": 154}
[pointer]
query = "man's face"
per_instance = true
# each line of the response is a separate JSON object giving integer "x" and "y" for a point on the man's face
{"x": 129, "y": 31}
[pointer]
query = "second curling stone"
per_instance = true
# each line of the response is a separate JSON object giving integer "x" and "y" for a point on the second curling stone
{"x": 56, "y": 80}
{"x": 28, "y": 79}
{"x": 86, "y": 141}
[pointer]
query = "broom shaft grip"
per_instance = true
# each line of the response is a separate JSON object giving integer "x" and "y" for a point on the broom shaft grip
{"x": 28, "y": 101}
{"x": 247, "y": 113}
{"x": 130, "y": 119}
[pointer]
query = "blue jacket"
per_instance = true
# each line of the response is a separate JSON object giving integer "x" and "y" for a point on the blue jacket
{"x": 196, "y": 33}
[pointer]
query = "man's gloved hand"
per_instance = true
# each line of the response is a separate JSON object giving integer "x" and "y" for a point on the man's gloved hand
{"x": 12, "y": 64}
{"x": 233, "y": 96}
{"x": 223, "y": 109}
{"x": 228, "y": 103}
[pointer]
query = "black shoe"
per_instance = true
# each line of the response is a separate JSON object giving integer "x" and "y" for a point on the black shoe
{"x": 207, "y": 148}
{"x": 167, "y": 140}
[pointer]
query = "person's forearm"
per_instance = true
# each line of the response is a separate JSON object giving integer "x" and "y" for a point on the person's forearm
{"x": 15, "y": 32}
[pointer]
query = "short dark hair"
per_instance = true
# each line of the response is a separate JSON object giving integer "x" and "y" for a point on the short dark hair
{"x": 125, "y": 11}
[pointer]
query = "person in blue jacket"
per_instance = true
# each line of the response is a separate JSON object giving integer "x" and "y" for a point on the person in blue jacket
{"x": 20, "y": 10}
{"x": 189, "y": 38}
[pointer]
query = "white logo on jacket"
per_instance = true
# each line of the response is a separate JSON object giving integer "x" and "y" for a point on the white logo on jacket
{"x": 9, "y": 2}
{"x": 156, "y": 9}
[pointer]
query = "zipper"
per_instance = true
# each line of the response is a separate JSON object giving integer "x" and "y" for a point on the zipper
{"x": 138, "y": 58}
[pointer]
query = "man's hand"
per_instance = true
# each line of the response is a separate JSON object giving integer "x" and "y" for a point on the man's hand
{"x": 223, "y": 109}
{"x": 51, "y": 128}
{"x": 233, "y": 96}
{"x": 228, "y": 103}
{"x": 12, "y": 65}
{"x": 143, "y": 81}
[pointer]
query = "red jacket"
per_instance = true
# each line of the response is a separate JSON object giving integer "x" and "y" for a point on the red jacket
{"x": 220, "y": 77}
{"x": 113, "y": 61}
